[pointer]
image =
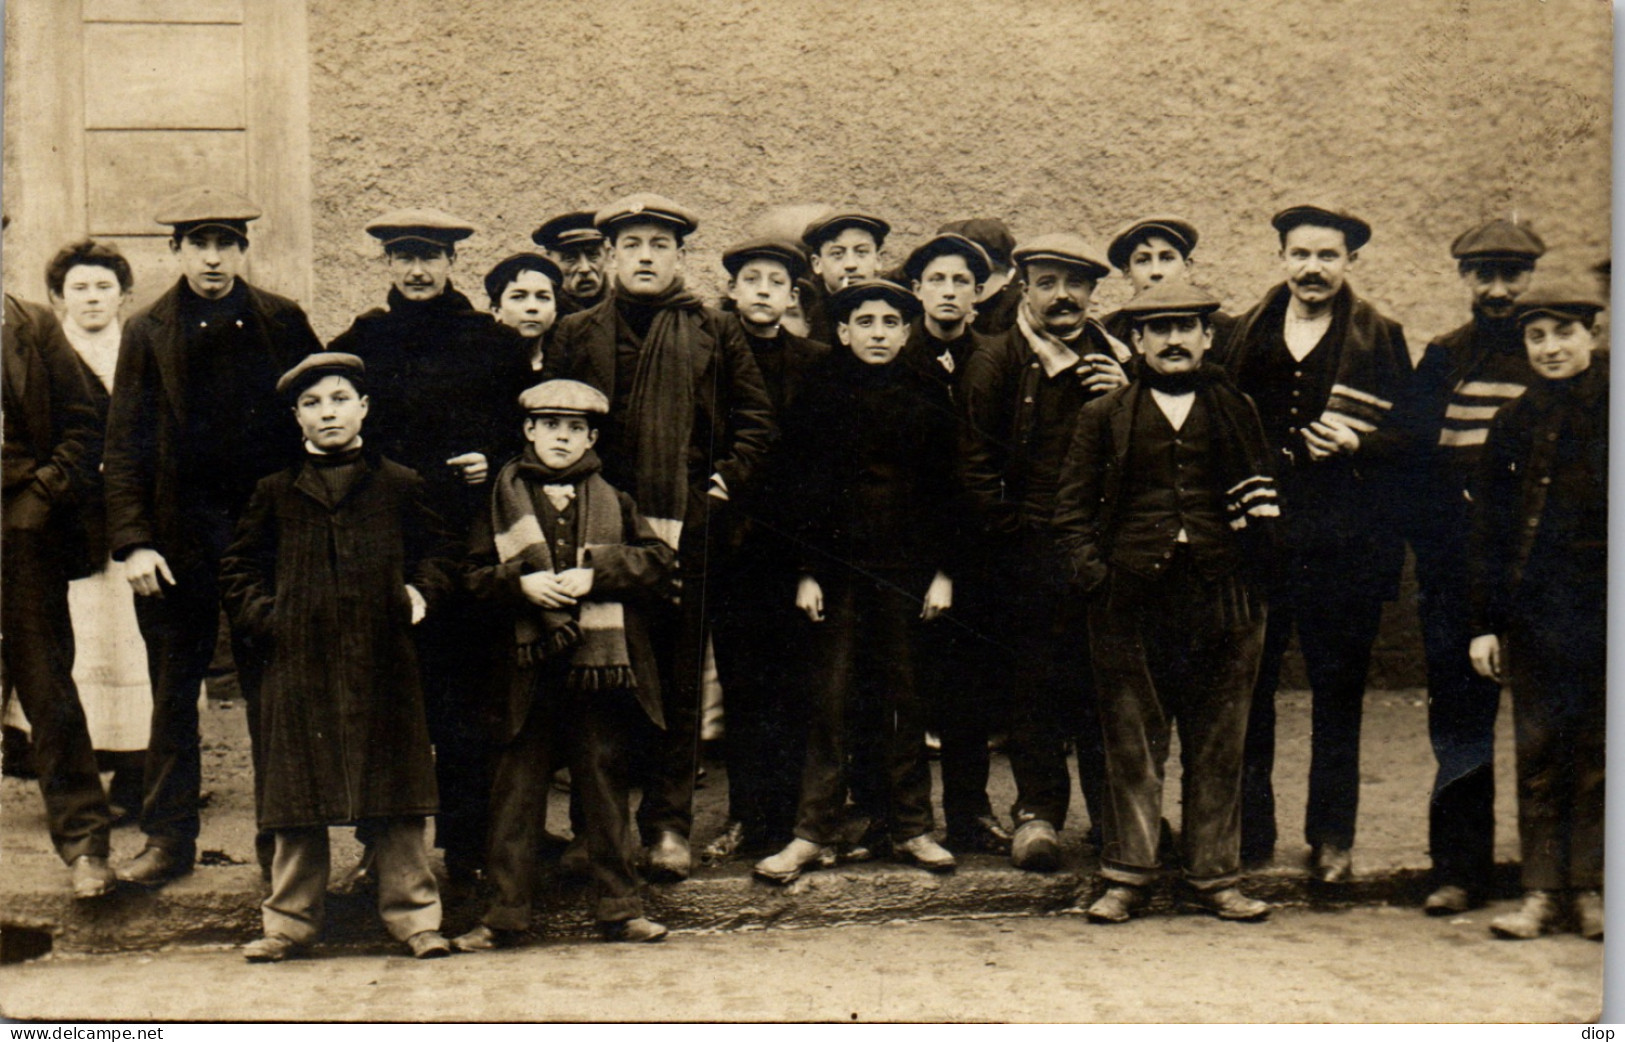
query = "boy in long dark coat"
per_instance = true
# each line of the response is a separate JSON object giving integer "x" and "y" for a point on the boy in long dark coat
{"x": 335, "y": 560}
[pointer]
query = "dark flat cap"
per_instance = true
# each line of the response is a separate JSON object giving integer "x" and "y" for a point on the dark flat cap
{"x": 990, "y": 233}
{"x": 786, "y": 253}
{"x": 1067, "y": 248}
{"x": 563, "y": 398}
{"x": 421, "y": 225}
{"x": 1176, "y": 230}
{"x": 976, "y": 258}
{"x": 1565, "y": 301}
{"x": 316, "y": 365}
{"x": 1171, "y": 298}
{"x": 646, "y": 206}
{"x": 1499, "y": 238}
{"x": 848, "y": 298}
{"x": 831, "y": 224}
{"x": 567, "y": 229}
{"x": 1356, "y": 233}
{"x": 208, "y": 205}
{"x": 508, "y": 268}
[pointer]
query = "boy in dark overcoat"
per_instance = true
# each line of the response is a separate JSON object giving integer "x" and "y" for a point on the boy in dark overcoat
{"x": 334, "y": 562}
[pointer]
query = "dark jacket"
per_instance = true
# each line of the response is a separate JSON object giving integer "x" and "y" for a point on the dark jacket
{"x": 54, "y": 413}
{"x": 148, "y": 418}
{"x": 322, "y": 591}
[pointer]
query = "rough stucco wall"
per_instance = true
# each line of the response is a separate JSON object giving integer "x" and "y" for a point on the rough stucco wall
{"x": 1425, "y": 117}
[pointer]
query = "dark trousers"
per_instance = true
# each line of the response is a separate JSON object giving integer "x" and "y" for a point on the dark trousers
{"x": 865, "y": 670}
{"x": 1461, "y": 722}
{"x": 1558, "y": 675}
{"x": 594, "y": 733}
{"x": 1336, "y": 617}
{"x": 1184, "y": 650}
{"x": 953, "y": 666}
{"x": 37, "y": 657}
{"x": 454, "y": 659}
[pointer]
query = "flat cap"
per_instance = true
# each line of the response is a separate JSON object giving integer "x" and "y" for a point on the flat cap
{"x": 646, "y": 206}
{"x": 563, "y": 398}
{"x": 1356, "y": 233}
{"x": 567, "y": 229}
{"x": 208, "y": 205}
{"x": 1067, "y": 248}
{"x": 316, "y": 365}
{"x": 508, "y": 268}
{"x": 976, "y": 258}
{"x": 828, "y": 225}
{"x": 786, "y": 253}
{"x": 1559, "y": 300}
{"x": 1499, "y": 238}
{"x": 990, "y": 233}
{"x": 848, "y": 298}
{"x": 421, "y": 225}
{"x": 1176, "y": 230}
{"x": 1171, "y": 298}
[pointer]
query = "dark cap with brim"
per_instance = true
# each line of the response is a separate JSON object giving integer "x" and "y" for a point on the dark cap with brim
{"x": 563, "y": 398}
{"x": 508, "y": 268}
{"x": 976, "y": 258}
{"x": 434, "y": 227}
{"x": 315, "y": 366}
{"x": 207, "y": 206}
{"x": 833, "y": 223}
{"x": 1356, "y": 233}
{"x": 645, "y": 207}
{"x": 1570, "y": 303}
{"x": 1170, "y": 299}
{"x": 990, "y": 233}
{"x": 1498, "y": 240}
{"x": 849, "y": 298}
{"x": 786, "y": 253}
{"x": 1176, "y": 230}
{"x": 1068, "y": 248}
{"x": 568, "y": 230}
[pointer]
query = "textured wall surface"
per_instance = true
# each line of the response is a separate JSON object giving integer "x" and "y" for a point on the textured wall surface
{"x": 1425, "y": 116}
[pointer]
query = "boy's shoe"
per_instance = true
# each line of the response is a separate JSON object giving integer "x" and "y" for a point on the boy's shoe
{"x": 155, "y": 866}
{"x": 1118, "y": 904}
{"x": 91, "y": 877}
{"x": 787, "y": 865}
{"x": 1231, "y": 904}
{"x": 980, "y": 835}
{"x": 428, "y": 944}
{"x": 636, "y": 931}
{"x": 1537, "y": 915}
{"x": 1449, "y": 899}
{"x": 273, "y": 947}
{"x": 727, "y": 844}
{"x": 927, "y": 853}
{"x": 1588, "y": 914}
{"x": 484, "y": 939}
{"x": 670, "y": 859}
{"x": 1036, "y": 848}
{"x": 1331, "y": 864}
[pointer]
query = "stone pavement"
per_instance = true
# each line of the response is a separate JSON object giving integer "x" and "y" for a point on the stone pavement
{"x": 219, "y": 902}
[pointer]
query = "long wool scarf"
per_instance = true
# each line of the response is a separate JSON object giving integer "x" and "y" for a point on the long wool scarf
{"x": 595, "y": 631}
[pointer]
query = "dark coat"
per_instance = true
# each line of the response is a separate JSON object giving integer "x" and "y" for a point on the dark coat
{"x": 55, "y": 410}
{"x": 147, "y": 421}
{"x": 323, "y": 591}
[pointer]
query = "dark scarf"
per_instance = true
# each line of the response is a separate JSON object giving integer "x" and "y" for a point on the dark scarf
{"x": 593, "y": 631}
{"x": 337, "y": 471}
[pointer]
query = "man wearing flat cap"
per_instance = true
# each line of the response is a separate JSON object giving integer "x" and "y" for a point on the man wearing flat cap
{"x": 572, "y": 242}
{"x": 689, "y": 425}
{"x": 1001, "y": 292}
{"x": 1325, "y": 370}
{"x": 845, "y": 246}
{"x": 195, "y": 423}
{"x": 440, "y": 374}
{"x": 1021, "y": 395}
{"x": 1166, "y": 514}
{"x": 1152, "y": 250}
{"x": 1464, "y": 378}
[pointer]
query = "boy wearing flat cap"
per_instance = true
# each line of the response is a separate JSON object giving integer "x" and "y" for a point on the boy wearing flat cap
{"x": 1151, "y": 250}
{"x": 1464, "y": 378}
{"x": 1538, "y": 559}
{"x": 572, "y": 242}
{"x": 1165, "y": 512}
{"x": 869, "y": 494}
{"x": 1000, "y": 294}
{"x": 572, "y": 566}
{"x": 194, "y": 424}
{"x": 334, "y": 561}
{"x": 846, "y": 246}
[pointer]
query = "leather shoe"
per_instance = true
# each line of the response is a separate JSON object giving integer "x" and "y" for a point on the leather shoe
{"x": 1449, "y": 899}
{"x": 636, "y": 931}
{"x": 156, "y": 866}
{"x": 669, "y": 858}
{"x": 1588, "y": 914}
{"x": 484, "y": 939}
{"x": 1118, "y": 904}
{"x": 981, "y": 835}
{"x": 91, "y": 877}
{"x": 428, "y": 944}
{"x": 1537, "y": 915}
{"x": 927, "y": 853}
{"x": 1230, "y": 903}
{"x": 1036, "y": 847}
{"x": 273, "y": 947}
{"x": 787, "y": 865}
{"x": 727, "y": 844}
{"x": 1332, "y": 864}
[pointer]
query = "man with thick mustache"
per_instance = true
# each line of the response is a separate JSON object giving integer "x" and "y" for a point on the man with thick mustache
{"x": 578, "y": 248}
{"x": 1325, "y": 369}
{"x": 1021, "y": 394}
{"x": 1464, "y": 378}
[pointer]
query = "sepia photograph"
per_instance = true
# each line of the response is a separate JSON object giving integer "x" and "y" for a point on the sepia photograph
{"x": 751, "y": 511}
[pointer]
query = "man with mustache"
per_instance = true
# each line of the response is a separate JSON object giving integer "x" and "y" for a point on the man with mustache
{"x": 578, "y": 248}
{"x": 1165, "y": 516}
{"x": 689, "y": 425}
{"x": 1464, "y": 378}
{"x": 1021, "y": 395}
{"x": 846, "y": 246}
{"x": 1325, "y": 369}
{"x": 1150, "y": 251}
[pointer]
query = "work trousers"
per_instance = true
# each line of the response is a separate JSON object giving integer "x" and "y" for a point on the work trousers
{"x": 593, "y": 731}
{"x": 37, "y": 657}
{"x": 408, "y": 899}
{"x": 1336, "y": 617}
{"x": 953, "y": 658}
{"x": 1176, "y": 650}
{"x": 454, "y": 662}
{"x": 865, "y": 683}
